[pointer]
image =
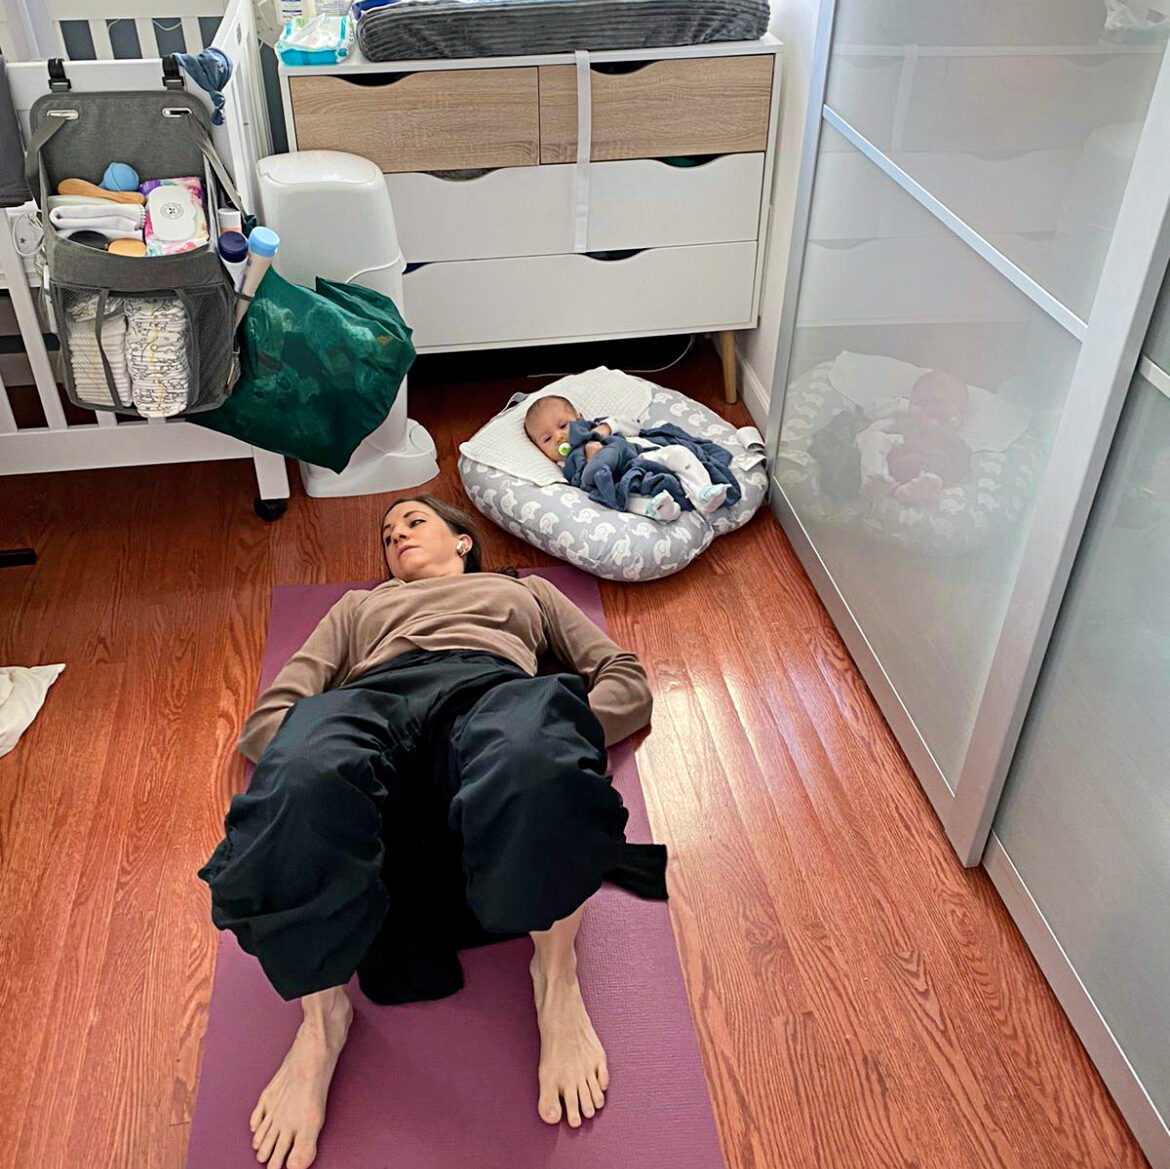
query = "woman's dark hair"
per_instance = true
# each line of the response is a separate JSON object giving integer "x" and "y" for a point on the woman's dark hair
{"x": 459, "y": 523}
{"x": 456, "y": 519}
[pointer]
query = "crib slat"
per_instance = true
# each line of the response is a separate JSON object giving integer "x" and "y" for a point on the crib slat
{"x": 7, "y": 422}
{"x": 30, "y": 327}
{"x": 105, "y": 419}
{"x": 147, "y": 45}
{"x": 100, "y": 31}
{"x": 192, "y": 35}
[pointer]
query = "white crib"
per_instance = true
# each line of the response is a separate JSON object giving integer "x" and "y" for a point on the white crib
{"x": 59, "y": 444}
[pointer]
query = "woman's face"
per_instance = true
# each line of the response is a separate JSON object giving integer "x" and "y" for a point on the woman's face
{"x": 419, "y": 545}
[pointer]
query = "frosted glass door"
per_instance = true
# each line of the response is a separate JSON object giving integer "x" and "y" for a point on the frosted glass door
{"x": 1085, "y": 815}
{"x": 894, "y": 310}
{"x": 974, "y": 165}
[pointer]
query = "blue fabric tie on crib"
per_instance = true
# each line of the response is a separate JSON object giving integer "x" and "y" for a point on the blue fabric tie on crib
{"x": 210, "y": 70}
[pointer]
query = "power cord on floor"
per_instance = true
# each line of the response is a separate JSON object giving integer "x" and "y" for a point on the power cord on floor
{"x": 660, "y": 369}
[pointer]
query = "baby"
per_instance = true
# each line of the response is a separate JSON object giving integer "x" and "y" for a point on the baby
{"x": 549, "y": 421}
{"x": 915, "y": 445}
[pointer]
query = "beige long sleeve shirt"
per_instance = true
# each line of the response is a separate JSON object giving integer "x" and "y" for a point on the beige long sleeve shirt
{"x": 517, "y": 619}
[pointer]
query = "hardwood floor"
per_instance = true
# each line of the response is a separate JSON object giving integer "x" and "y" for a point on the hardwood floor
{"x": 861, "y": 1000}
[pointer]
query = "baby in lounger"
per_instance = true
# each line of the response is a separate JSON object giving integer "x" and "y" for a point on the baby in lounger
{"x": 659, "y": 473}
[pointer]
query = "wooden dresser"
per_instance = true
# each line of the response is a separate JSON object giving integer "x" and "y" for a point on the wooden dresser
{"x": 516, "y": 236}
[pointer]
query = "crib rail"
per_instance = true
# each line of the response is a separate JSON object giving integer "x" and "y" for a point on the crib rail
{"x": 39, "y": 431}
{"x": 81, "y": 30}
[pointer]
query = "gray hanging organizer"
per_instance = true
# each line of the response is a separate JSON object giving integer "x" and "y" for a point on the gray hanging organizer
{"x": 133, "y": 329}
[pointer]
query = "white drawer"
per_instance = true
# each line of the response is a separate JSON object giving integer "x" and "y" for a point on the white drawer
{"x": 644, "y": 203}
{"x": 515, "y": 211}
{"x": 528, "y": 211}
{"x": 546, "y": 298}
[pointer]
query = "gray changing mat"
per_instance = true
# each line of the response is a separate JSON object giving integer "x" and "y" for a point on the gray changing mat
{"x": 408, "y": 30}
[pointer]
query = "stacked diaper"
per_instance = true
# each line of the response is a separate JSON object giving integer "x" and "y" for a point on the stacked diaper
{"x": 85, "y": 359}
{"x": 156, "y": 355}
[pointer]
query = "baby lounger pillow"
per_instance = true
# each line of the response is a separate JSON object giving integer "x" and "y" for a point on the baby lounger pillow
{"x": 515, "y": 486}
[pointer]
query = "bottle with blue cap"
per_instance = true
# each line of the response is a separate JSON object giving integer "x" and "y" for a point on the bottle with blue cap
{"x": 233, "y": 251}
{"x": 262, "y": 245}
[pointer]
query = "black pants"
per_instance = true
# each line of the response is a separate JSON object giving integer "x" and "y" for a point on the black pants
{"x": 444, "y": 800}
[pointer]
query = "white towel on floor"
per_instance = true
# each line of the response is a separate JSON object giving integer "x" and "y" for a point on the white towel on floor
{"x": 597, "y": 393}
{"x": 22, "y": 694}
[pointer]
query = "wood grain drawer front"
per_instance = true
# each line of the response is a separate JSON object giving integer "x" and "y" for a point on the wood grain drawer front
{"x": 705, "y": 105}
{"x": 545, "y": 298}
{"x": 441, "y": 120}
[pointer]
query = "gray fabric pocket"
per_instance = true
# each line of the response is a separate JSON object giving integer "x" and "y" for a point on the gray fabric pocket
{"x": 142, "y": 335}
{"x": 154, "y": 335}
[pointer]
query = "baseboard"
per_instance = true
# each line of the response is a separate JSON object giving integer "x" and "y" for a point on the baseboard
{"x": 1141, "y": 1114}
{"x": 756, "y": 396}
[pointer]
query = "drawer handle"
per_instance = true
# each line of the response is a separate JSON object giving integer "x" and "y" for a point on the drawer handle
{"x": 618, "y": 68}
{"x": 464, "y": 175}
{"x": 614, "y": 256}
{"x": 372, "y": 80}
{"x": 688, "y": 161}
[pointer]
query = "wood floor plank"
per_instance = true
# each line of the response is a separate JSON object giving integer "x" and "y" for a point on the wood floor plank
{"x": 860, "y": 1000}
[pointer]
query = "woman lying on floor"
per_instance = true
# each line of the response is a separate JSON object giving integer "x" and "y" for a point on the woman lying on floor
{"x": 420, "y": 790}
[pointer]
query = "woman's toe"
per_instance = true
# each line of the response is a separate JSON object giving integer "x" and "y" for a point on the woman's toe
{"x": 596, "y": 1093}
{"x": 549, "y": 1107}
{"x": 261, "y": 1132}
{"x": 572, "y": 1111}
{"x": 586, "y": 1098}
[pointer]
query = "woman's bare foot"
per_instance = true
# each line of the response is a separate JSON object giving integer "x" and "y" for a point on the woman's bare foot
{"x": 572, "y": 1060}
{"x": 291, "y": 1110}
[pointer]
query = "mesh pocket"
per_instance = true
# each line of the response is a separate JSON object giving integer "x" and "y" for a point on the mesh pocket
{"x": 167, "y": 353}
{"x": 85, "y": 341}
{"x": 210, "y": 312}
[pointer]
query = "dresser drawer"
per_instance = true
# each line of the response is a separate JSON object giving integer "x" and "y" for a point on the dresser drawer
{"x": 545, "y": 298}
{"x": 519, "y": 211}
{"x": 702, "y": 105}
{"x": 644, "y": 203}
{"x": 437, "y": 120}
{"x": 528, "y": 211}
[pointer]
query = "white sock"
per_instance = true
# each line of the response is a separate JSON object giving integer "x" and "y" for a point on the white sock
{"x": 712, "y": 498}
{"x": 662, "y": 507}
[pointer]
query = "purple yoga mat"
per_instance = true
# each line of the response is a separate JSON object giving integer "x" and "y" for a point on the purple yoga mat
{"x": 452, "y": 1084}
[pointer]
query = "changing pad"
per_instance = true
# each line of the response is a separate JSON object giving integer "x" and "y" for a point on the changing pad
{"x": 405, "y": 30}
{"x": 562, "y": 520}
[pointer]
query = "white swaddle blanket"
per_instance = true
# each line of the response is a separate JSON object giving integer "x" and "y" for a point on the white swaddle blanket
{"x": 113, "y": 220}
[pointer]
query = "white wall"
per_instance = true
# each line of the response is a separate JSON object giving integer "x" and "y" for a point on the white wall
{"x": 795, "y": 23}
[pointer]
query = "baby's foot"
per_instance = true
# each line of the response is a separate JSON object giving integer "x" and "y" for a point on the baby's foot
{"x": 665, "y": 507}
{"x": 712, "y": 497}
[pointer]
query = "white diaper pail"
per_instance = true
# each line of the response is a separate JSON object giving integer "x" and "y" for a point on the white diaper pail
{"x": 332, "y": 213}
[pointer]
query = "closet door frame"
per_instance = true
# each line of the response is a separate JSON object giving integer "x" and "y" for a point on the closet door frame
{"x": 1110, "y": 345}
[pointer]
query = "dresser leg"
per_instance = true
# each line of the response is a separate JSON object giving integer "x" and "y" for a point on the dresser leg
{"x": 730, "y": 371}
